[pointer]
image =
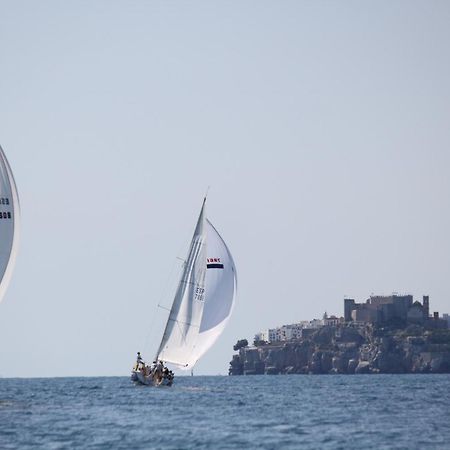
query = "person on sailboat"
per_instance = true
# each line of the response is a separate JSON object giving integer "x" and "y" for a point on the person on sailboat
{"x": 139, "y": 360}
{"x": 158, "y": 371}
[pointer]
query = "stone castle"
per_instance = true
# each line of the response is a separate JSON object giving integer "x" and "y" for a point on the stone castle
{"x": 380, "y": 310}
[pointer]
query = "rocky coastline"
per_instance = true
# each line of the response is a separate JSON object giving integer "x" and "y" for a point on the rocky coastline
{"x": 347, "y": 349}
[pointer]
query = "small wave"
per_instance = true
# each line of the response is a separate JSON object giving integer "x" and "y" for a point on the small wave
{"x": 6, "y": 403}
{"x": 196, "y": 389}
{"x": 289, "y": 429}
{"x": 89, "y": 388}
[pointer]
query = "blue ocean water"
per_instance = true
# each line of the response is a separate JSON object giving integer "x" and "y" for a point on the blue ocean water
{"x": 261, "y": 412}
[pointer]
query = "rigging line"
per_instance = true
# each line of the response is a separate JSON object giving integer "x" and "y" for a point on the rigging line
{"x": 192, "y": 283}
{"x": 150, "y": 335}
{"x": 164, "y": 293}
{"x": 184, "y": 323}
{"x": 163, "y": 307}
{"x": 181, "y": 332}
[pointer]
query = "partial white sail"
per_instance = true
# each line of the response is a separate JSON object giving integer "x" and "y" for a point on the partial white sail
{"x": 9, "y": 223}
{"x": 183, "y": 324}
{"x": 204, "y": 300}
{"x": 221, "y": 284}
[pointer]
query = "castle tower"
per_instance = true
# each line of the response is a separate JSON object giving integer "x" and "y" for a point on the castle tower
{"x": 349, "y": 305}
{"x": 426, "y": 307}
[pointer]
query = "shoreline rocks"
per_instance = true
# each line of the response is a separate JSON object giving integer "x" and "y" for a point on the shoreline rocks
{"x": 347, "y": 349}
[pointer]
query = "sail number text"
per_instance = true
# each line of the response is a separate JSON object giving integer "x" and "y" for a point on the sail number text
{"x": 3, "y": 214}
{"x": 199, "y": 294}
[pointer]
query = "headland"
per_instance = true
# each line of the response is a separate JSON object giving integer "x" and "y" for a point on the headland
{"x": 385, "y": 334}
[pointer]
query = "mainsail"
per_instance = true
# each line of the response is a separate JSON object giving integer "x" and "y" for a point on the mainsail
{"x": 204, "y": 299}
{"x": 9, "y": 223}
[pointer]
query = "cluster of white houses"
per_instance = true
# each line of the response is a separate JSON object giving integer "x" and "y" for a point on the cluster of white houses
{"x": 296, "y": 330}
{"x": 377, "y": 310}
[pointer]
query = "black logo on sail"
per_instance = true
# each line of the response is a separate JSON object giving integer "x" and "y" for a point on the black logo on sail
{"x": 214, "y": 263}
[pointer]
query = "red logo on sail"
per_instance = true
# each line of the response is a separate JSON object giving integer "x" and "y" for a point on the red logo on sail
{"x": 213, "y": 263}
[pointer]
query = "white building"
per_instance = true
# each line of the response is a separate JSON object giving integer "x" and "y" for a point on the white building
{"x": 332, "y": 321}
{"x": 288, "y": 332}
{"x": 315, "y": 323}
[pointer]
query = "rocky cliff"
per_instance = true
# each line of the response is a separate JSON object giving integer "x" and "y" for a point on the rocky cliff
{"x": 347, "y": 350}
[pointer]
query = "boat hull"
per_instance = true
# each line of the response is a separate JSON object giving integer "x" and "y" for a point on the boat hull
{"x": 139, "y": 378}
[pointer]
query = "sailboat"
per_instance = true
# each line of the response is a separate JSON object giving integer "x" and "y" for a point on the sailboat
{"x": 9, "y": 223}
{"x": 201, "y": 308}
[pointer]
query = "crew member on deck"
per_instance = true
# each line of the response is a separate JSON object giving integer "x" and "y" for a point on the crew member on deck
{"x": 139, "y": 360}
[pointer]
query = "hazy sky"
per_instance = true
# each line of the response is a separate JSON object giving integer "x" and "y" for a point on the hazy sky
{"x": 322, "y": 127}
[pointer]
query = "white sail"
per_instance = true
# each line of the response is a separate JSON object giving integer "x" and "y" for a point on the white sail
{"x": 9, "y": 223}
{"x": 183, "y": 324}
{"x": 204, "y": 299}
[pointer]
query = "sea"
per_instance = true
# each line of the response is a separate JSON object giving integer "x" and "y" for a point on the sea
{"x": 219, "y": 412}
